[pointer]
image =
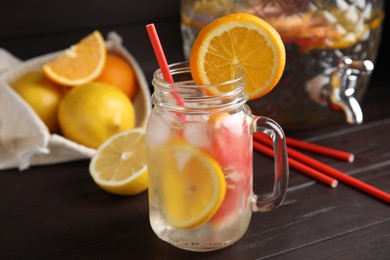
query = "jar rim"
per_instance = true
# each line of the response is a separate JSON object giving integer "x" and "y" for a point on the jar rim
{"x": 184, "y": 67}
{"x": 188, "y": 97}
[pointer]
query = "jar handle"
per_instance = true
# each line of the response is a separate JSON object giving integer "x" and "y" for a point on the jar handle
{"x": 264, "y": 203}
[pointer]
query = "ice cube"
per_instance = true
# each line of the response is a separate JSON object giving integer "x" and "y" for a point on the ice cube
{"x": 158, "y": 130}
{"x": 197, "y": 134}
{"x": 233, "y": 123}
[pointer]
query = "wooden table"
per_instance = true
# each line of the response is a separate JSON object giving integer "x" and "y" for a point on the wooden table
{"x": 57, "y": 212}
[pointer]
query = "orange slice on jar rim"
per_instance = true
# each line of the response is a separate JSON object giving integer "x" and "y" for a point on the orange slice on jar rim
{"x": 239, "y": 40}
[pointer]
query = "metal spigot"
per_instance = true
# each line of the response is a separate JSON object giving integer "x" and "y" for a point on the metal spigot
{"x": 343, "y": 86}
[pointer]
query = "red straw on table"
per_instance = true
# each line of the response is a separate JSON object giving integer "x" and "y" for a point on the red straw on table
{"x": 347, "y": 179}
{"x": 330, "y": 152}
{"x": 162, "y": 61}
{"x": 298, "y": 166}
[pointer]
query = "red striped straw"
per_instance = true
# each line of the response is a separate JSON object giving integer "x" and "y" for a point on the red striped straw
{"x": 162, "y": 61}
{"x": 298, "y": 166}
{"x": 330, "y": 152}
{"x": 330, "y": 171}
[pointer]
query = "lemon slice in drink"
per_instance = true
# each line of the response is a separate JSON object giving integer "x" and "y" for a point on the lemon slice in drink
{"x": 119, "y": 165}
{"x": 243, "y": 41}
{"x": 193, "y": 185}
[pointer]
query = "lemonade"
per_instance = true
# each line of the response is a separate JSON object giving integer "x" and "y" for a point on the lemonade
{"x": 212, "y": 135}
{"x": 200, "y": 162}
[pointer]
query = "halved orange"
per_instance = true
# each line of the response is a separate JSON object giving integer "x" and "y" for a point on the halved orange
{"x": 242, "y": 41}
{"x": 80, "y": 63}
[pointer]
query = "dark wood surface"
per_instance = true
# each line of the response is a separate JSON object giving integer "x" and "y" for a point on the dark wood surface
{"x": 57, "y": 212}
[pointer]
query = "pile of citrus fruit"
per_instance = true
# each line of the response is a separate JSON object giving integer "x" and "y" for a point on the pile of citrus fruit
{"x": 86, "y": 95}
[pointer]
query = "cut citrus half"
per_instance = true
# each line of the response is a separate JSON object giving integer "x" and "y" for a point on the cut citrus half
{"x": 80, "y": 63}
{"x": 238, "y": 41}
{"x": 192, "y": 185}
{"x": 119, "y": 165}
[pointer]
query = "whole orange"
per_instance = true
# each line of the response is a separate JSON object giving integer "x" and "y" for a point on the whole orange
{"x": 119, "y": 73}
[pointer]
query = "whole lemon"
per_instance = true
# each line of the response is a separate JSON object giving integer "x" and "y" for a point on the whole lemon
{"x": 119, "y": 73}
{"x": 89, "y": 114}
{"x": 42, "y": 95}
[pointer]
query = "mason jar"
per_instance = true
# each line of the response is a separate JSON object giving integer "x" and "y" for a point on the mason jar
{"x": 199, "y": 140}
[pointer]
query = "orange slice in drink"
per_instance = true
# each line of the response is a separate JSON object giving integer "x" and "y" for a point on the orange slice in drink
{"x": 192, "y": 185}
{"x": 239, "y": 41}
{"x": 80, "y": 63}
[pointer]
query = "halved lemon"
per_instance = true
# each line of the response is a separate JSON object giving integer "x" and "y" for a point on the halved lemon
{"x": 242, "y": 41}
{"x": 192, "y": 185}
{"x": 80, "y": 63}
{"x": 119, "y": 165}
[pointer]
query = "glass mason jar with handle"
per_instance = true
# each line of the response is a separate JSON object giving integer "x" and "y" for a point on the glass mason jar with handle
{"x": 331, "y": 48}
{"x": 200, "y": 161}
